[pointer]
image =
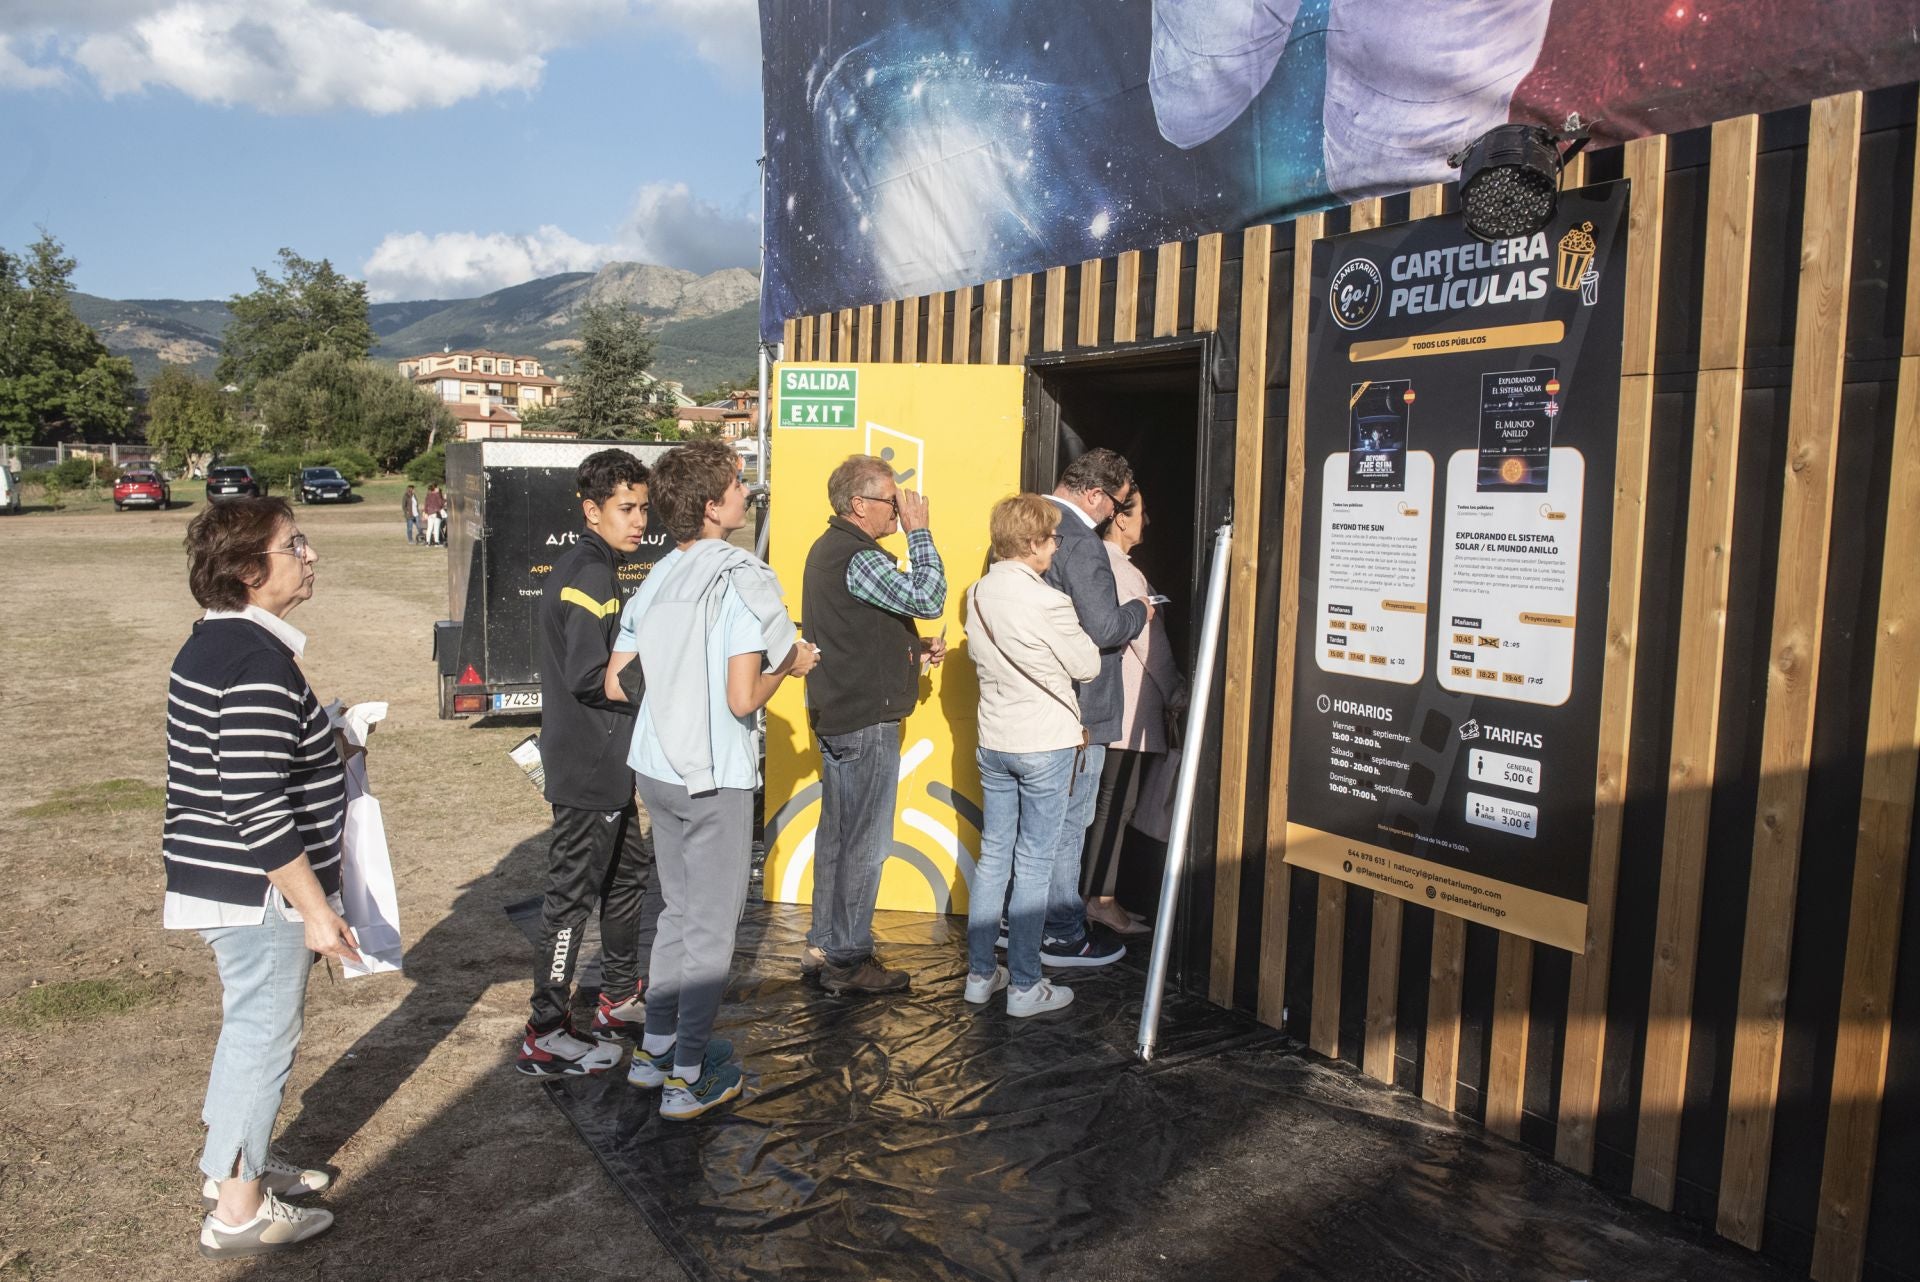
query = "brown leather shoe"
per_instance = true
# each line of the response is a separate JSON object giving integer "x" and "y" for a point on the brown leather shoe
{"x": 867, "y": 977}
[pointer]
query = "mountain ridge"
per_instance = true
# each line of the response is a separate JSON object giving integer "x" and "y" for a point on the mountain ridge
{"x": 705, "y": 327}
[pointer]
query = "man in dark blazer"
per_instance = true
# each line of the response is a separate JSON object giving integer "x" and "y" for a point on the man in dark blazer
{"x": 1091, "y": 489}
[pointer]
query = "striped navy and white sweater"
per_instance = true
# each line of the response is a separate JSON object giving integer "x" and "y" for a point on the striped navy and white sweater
{"x": 254, "y": 779}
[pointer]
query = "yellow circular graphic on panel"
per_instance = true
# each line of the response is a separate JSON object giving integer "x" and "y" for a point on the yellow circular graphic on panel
{"x": 1512, "y": 470}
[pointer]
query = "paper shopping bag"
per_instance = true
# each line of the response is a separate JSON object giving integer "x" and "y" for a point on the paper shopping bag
{"x": 367, "y": 893}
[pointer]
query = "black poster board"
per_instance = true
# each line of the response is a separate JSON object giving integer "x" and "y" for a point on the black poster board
{"x": 1462, "y": 401}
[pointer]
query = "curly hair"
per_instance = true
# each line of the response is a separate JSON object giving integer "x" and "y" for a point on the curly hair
{"x": 227, "y": 549}
{"x": 686, "y": 480}
{"x": 1098, "y": 469}
{"x": 604, "y": 471}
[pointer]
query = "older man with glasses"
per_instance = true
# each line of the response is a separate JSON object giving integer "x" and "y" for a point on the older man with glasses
{"x": 1091, "y": 489}
{"x": 859, "y": 607}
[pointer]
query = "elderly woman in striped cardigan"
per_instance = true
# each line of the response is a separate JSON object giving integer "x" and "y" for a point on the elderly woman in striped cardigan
{"x": 256, "y": 797}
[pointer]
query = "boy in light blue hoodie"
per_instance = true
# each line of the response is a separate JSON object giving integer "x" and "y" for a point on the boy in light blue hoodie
{"x": 713, "y": 642}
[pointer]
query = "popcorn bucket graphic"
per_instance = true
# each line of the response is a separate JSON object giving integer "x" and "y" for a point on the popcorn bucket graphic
{"x": 1576, "y": 257}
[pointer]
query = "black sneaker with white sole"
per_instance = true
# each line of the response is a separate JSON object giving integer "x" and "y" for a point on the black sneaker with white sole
{"x": 1099, "y": 947}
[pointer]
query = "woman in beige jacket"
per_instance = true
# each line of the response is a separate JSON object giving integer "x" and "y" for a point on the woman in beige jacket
{"x": 1153, "y": 691}
{"x": 1028, "y": 649}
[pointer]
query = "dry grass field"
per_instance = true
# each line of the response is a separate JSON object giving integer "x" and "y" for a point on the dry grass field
{"x": 451, "y": 1165}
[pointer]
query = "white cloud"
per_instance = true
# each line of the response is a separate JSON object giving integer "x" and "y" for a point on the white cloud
{"x": 671, "y": 226}
{"x": 377, "y": 56}
{"x": 461, "y": 264}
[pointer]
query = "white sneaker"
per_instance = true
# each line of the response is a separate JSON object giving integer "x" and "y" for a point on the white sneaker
{"x": 1042, "y": 997}
{"x": 274, "y": 1227}
{"x": 979, "y": 989}
{"x": 278, "y": 1177}
{"x": 561, "y": 1053}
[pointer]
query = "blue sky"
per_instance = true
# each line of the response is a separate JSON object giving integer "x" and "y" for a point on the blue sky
{"x": 175, "y": 146}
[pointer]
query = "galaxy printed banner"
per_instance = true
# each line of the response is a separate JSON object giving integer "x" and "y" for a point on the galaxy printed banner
{"x": 915, "y": 145}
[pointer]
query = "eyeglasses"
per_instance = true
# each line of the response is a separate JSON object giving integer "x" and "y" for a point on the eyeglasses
{"x": 1058, "y": 538}
{"x": 296, "y": 546}
{"x": 1118, "y": 506}
{"x": 893, "y": 503}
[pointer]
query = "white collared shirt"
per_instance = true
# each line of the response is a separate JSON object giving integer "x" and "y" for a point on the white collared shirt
{"x": 1076, "y": 510}
{"x": 283, "y": 632}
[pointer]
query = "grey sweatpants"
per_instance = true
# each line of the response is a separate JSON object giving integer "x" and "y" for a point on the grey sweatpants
{"x": 702, "y": 854}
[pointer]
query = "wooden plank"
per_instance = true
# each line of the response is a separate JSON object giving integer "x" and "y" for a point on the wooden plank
{"x": 1512, "y": 1017}
{"x": 1881, "y": 856}
{"x": 991, "y": 302}
{"x": 1329, "y": 938}
{"x": 1277, "y": 891}
{"x": 1440, "y": 1074}
{"x": 963, "y": 325}
{"x": 1166, "y": 291}
{"x": 1383, "y": 953}
{"x": 863, "y": 343}
{"x": 1206, "y": 284}
{"x": 909, "y": 330}
{"x": 789, "y": 338}
{"x": 843, "y": 335}
{"x": 1793, "y": 670}
{"x": 1699, "y": 658}
{"x": 936, "y": 329}
{"x": 1243, "y": 583}
{"x": 1126, "y": 297}
{"x": 806, "y": 338}
{"x": 1087, "y": 334}
{"x": 889, "y": 331}
{"x": 1585, "y": 1033}
{"x": 1020, "y": 323}
{"x": 1053, "y": 332}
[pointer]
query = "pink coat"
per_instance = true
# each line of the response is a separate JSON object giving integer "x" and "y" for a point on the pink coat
{"x": 1149, "y": 676}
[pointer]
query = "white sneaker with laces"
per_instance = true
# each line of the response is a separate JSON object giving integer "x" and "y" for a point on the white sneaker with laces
{"x": 278, "y": 1177}
{"x": 981, "y": 988}
{"x": 274, "y": 1227}
{"x": 1042, "y": 997}
{"x": 561, "y": 1053}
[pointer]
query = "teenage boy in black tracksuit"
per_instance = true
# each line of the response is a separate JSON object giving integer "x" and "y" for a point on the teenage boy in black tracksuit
{"x": 597, "y": 852}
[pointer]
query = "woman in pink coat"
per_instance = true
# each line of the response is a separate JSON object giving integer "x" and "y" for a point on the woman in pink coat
{"x": 1154, "y": 692}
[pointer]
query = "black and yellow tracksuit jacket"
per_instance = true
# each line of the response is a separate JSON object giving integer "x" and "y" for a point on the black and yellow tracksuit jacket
{"x": 584, "y": 736}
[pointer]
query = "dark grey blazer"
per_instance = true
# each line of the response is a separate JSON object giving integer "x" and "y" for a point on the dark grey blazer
{"x": 1081, "y": 570}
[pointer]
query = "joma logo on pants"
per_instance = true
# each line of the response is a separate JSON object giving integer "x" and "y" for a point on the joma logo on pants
{"x": 562, "y": 945}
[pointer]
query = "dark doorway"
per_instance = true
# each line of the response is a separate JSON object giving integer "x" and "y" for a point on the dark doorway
{"x": 1154, "y": 404}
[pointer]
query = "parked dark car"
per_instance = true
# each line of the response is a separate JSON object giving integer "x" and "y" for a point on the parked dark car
{"x": 233, "y": 483}
{"x": 324, "y": 485}
{"x": 141, "y": 487}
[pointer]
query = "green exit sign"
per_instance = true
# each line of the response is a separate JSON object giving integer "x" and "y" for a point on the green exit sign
{"x": 817, "y": 397}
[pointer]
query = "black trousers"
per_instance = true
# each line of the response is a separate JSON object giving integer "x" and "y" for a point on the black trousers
{"x": 1120, "y": 780}
{"x": 597, "y": 855}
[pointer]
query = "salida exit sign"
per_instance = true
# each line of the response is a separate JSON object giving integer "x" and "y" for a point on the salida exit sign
{"x": 816, "y": 397}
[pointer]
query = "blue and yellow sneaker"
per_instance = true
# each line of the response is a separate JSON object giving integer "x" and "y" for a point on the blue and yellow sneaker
{"x": 682, "y": 1101}
{"x": 648, "y": 1071}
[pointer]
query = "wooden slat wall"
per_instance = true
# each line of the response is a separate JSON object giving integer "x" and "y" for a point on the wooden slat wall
{"x": 1702, "y": 560}
{"x": 1586, "y": 1025}
{"x": 1701, "y": 654}
{"x": 1881, "y": 853}
{"x": 1277, "y": 891}
{"x": 1249, "y": 435}
{"x": 1786, "y": 742}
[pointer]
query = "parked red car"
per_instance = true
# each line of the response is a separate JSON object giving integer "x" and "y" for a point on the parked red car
{"x": 141, "y": 487}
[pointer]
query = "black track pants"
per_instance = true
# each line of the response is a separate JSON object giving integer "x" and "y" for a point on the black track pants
{"x": 596, "y": 855}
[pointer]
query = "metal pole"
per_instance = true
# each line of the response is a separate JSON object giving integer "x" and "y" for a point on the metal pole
{"x": 1183, "y": 791}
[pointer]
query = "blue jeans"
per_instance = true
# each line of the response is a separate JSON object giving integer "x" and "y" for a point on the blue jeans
{"x": 1066, "y": 910}
{"x": 263, "y": 1002}
{"x": 1025, "y": 795}
{"x": 413, "y": 529}
{"x": 859, "y": 776}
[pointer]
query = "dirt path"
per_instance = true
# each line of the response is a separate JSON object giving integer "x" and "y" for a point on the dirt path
{"x": 451, "y": 1165}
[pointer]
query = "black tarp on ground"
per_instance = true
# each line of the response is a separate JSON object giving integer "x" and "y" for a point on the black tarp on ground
{"x": 915, "y": 1137}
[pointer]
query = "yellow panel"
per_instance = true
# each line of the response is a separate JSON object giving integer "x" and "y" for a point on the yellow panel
{"x": 955, "y": 433}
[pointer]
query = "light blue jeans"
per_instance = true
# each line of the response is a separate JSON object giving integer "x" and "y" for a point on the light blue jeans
{"x": 1066, "y": 910}
{"x": 263, "y": 1003}
{"x": 1025, "y": 795}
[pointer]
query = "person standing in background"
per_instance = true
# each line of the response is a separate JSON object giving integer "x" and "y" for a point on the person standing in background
{"x": 410, "y": 509}
{"x": 435, "y": 511}
{"x": 860, "y": 608}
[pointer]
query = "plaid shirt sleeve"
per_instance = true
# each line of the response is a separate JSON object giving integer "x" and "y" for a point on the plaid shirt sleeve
{"x": 920, "y": 593}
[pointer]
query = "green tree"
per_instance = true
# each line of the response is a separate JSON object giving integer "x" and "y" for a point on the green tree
{"x": 324, "y": 402}
{"x": 608, "y": 391}
{"x": 309, "y": 307}
{"x": 56, "y": 376}
{"x": 190, "y": 419}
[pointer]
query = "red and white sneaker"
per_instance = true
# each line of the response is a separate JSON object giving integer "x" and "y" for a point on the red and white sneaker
{"x": 623, "y": 1020}
{"x": 562, "y": 1053}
